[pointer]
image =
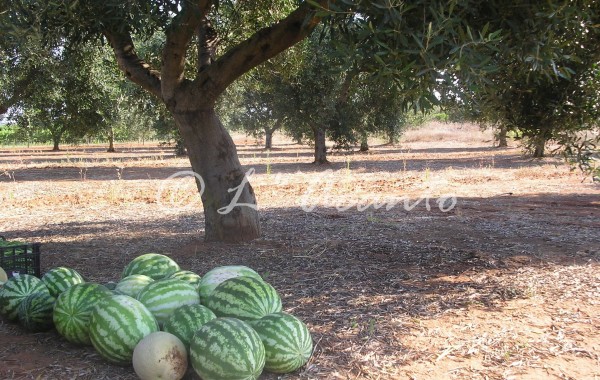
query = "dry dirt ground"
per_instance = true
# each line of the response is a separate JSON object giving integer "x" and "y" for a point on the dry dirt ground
{"x": 500, "y": 282}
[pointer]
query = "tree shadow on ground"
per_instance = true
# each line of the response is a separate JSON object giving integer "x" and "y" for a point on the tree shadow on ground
{"x": 354, "y": 277}
{"x": 375, "y": 251}
{"x": 397, "y": 164}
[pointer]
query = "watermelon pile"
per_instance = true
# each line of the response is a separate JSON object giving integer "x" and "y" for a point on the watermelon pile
{"x": 230, "y": 321}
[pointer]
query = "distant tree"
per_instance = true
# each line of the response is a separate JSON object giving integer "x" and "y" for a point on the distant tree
{"x": 381, "y": 110}
{"x": 208, "y": 45}
{"x": 539, "y": 105}
{"x": 23, "y": 64}
{"x": 73, "y": 100}
{"x": 315, "y": 90}
{"x": 343, "y": 100}
{"x": 262, "y": 103}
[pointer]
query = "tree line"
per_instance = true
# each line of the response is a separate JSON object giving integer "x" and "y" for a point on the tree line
{"x": 78, "y": 95}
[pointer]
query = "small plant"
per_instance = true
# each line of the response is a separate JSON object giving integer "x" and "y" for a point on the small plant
{"x": 583, "y": 152}
{"x": 427, "y": 174}
{"x": 268, "y": 163}
{"x": 372, "y": 218}
{"x": 348, "y": 159}
{"x": 120, "y": 172}
{"x": 371, "y": 327}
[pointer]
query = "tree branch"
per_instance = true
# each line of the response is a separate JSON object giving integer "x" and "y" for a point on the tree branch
{"x": 345, "y": 88}
{"x": 133, "y": 66}
{"x": 179, "y": 35}
{"x": 261, "y": 46}
{"x": 207, "y": 44}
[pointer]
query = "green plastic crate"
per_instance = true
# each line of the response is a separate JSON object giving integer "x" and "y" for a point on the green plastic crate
{"x": 19, "y": 258}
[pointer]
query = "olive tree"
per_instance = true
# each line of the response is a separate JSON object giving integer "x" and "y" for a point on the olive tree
{"x": 546, "y": 85}
{"x": 209, "y": 44}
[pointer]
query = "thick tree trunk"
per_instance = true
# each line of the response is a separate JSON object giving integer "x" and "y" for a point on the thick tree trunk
{"x": 57, "y": 137}
{"x": 539, "y": 147}
{"x": 501, "y": 137}
{"x": 56, "y": 143}
{"x": 320, "y": 147}
{"x": 364, "y": 144}
{"x": 392, "y": 139}
{"x": 111, "y": 141}
{"x": 269, "y": 138}
{"x": 180, "y": 147}
{"x": 222, "y": 180}
{"x": 269, "y": 133}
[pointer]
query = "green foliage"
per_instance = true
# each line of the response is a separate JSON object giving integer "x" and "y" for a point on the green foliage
{"x": 71, "y": 99}
{"x": 528, "y": 57}
{"x": 582, "y": 151}
{"x": 441, "y": 117}
{"x": 68, "y": 95}
{"x": 548, "y": 85}
{"x": 260, "y": 104}
{"x": 11, "y": 134}
{"x": 332, "y": 93}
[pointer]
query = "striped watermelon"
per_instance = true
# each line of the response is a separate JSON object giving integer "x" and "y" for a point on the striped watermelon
{"x": 15, "y": 290}
{"x": 117, "y": 324}
{"x": 188, "y": 276}
{"x": 152, "y": 265}
{"x": 245, "y": 298}
{"x": 287, "y": 341}
{"x": 162, "y": 297}
{"x": 227, "y": 349}
{"x": 131, "y": 285}
{"x": 186, "y": 320}
{"x": 35, "y": 311}
{"x": 73, "y": 309}
{"x": 217, "y": 275}
{"x": 60, "y": 279}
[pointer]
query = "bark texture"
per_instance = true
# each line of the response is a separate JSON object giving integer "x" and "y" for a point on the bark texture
{"x": 268, "y": 138}
{"x": 364, "y": 145}
{"x": 320, "y": 147}
{"x": 213, "y": 156}
{"x": 211, "y": 150}
{"x": 269, "y": 133}
{"x": 539, "y": 147}
{"x": 111, "y": 141}
{"x": 502, "y": 137}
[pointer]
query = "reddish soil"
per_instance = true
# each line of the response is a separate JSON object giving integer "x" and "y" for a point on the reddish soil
{"x": 505, "y": 285}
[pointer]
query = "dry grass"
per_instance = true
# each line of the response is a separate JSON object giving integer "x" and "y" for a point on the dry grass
{"x": 504, "y": 286}
{"x": 436, "y": 132}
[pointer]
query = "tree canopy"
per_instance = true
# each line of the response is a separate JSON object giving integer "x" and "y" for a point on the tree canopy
{"x": 206, "y": 45}
{"x": 540, "y": 105}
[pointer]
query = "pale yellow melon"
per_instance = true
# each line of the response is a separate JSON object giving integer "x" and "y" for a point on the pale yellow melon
{"x": 3, "y": 276}
{"x": 160, "y": 355}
